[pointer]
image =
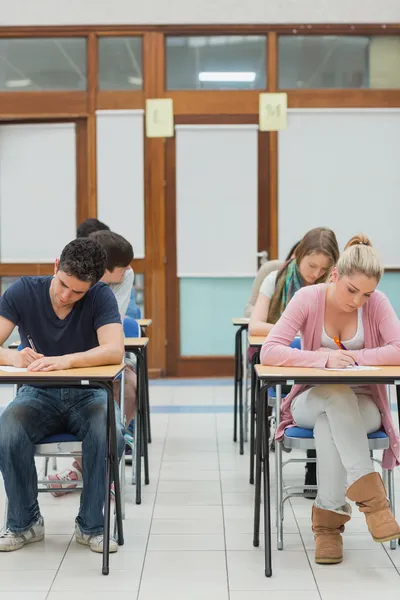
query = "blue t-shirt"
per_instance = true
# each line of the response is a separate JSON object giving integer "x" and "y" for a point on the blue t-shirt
{"x": 27, "y": 304}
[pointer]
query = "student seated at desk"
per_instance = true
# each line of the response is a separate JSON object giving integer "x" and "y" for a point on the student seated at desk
{"x": 314, "y": 257}
{"x": 120, "y": 288}
{"x": 119, "y": 277}
{"x": 269, "y": 266}
{"x": 341, "y": 416}
{"x": 73, "y": 321}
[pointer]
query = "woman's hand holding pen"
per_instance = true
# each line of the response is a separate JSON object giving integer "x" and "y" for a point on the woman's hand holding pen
{"x": 340, "y": 359}
{"x": 25, "y": 357}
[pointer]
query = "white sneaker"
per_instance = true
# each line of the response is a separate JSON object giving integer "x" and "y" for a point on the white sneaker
{"x": 95, "y": 542}
{"x": 10, "y": 541}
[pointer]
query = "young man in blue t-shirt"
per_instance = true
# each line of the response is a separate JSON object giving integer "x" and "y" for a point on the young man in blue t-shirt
{"x": 66, "y": 321}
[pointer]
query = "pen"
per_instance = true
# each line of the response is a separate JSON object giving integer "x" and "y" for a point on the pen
{"x": 32, "y": 345}
{"x": 341, "y": 346}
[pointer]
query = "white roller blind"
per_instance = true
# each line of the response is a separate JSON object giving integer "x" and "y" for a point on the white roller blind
{"x": 37, "y": 191}
{"x": 120, "y": 174}
{"x": 216, "y": 200}
{"x": 340, "y": 169}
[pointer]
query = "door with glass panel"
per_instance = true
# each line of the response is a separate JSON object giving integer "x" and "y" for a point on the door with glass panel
{"x": 217, "y": 202}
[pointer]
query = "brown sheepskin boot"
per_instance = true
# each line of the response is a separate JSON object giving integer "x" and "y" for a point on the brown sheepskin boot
{"x": 370, "y": 495}
{"x": 327, "y": 527}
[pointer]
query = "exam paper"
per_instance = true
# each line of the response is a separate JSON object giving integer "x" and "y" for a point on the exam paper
{"x": 13, "y": 369}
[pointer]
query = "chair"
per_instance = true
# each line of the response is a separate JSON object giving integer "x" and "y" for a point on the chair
{"x": 303, "y": 439}
{"x": 133, "y": 311}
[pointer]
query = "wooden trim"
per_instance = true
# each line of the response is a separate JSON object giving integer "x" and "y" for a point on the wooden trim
{"x": 139, "y": 266}
{"x": 155, "y": 373}
{"x": 207, "y": 102}
{"x": 92, "y": 77}
{"x": 82, "y": 171}
{"x": 263, "y": 228}
{"x": 173, "y": 312}
{"x": 20, "y": 269}
{"x": 216, "y": 120}
{"x": 203, "y": 29}
{"x": 340, "y": 98}
{"x": 48, "y": 105}
{"x": 155, "y": 226}
{"x": 210, "y": 366}
{"x": 120, "y": 100}
{"x": 272, "y": 59}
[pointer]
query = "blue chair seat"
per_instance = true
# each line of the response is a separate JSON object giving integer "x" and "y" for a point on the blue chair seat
{"x": 300, "y": 432}
{"x": 58, "y": 438}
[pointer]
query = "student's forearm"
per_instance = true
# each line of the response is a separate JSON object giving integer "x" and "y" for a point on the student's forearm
{"x": 259, "y": 328}
{"x": 7, "y": 357}
{"x": 102, "y": 355}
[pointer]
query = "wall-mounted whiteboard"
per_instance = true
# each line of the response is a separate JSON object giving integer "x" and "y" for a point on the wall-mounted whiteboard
{"x": 340, "y": 169}
{"x": 37, "y": 191}
{"x": 120, "y": 174}
{"x": 216, "y": 200}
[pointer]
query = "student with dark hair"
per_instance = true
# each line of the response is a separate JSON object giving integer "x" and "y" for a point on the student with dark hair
{"x": 89, "y": 226}
{"x": 119, "y": 277}
{"x": 73, "y": 320}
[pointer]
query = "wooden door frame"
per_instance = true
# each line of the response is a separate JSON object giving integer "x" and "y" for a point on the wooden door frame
{"x": 201, "y": 366}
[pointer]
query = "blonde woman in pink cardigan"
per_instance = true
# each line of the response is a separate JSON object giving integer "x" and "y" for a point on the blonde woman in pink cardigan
{"x": 341, "y": 416}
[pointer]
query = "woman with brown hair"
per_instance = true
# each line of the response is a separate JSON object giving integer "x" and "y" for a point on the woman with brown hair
{"x": 351, "y": 309}
{"x": 314, "y": 258}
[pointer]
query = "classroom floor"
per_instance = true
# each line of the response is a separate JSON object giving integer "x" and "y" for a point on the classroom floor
{"x": 192, "y": 535}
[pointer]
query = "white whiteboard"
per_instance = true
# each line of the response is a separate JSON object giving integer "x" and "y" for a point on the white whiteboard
{"x": 216, "y": 200}
{"x": 120, "y": 174}
{"x": 340, "y": 169}
{"x": 37, "y": 191}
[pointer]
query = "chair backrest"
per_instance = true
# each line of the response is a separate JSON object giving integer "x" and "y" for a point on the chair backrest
{"x": 133, "y": 310}
{"x": 296, "y": 343}
{"x": 131, "y": 327}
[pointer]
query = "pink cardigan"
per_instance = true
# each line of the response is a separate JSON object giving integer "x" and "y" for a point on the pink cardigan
{"x": 305, "y": 314}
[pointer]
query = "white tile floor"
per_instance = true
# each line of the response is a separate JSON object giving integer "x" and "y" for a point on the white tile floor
{"x": 192, "y": 535}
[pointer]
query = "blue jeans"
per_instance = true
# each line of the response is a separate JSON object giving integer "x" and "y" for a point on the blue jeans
{"x": 36, "y": 413}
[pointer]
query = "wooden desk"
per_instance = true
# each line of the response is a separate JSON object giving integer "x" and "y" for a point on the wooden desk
{"x": 142, "y": 420}
{"x": 242, "y": 324}
{"x": 295, "y": 375}
{"x": 143, "y": 323}
{"x": 256, "y": 341}
{"x": 93, "y": 377}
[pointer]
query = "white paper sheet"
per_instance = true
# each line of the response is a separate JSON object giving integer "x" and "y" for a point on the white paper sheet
{"x": 359, "y": 368}
{"x": 13, "y": 369}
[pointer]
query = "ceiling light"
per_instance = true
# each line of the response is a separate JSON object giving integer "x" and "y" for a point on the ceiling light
{"x": 240, "y": 76}
{"x": 18, "y": 83}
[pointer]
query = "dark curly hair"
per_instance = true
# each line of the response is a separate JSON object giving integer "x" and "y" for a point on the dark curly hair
{"x": 84, "y": 259}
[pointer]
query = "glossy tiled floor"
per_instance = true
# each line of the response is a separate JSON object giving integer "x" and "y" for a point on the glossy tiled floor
{"x": 192, "y": 535}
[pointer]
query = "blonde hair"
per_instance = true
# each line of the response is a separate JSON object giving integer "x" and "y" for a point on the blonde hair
{"x": 360, "y": 257}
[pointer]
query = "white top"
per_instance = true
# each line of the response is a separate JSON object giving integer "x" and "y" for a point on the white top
{"x": 268, "y": 285}
{"x": 356, "y": 343}
{"x": 122, "y": 291}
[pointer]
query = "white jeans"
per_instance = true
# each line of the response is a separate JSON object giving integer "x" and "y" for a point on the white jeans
{"x": 340, "y": 419}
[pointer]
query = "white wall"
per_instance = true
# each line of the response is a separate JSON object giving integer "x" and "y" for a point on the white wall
{"x": 133, "y": 12}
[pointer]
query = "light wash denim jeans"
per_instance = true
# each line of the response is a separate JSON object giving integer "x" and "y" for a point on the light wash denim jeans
{"x": 36, "y": 413}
